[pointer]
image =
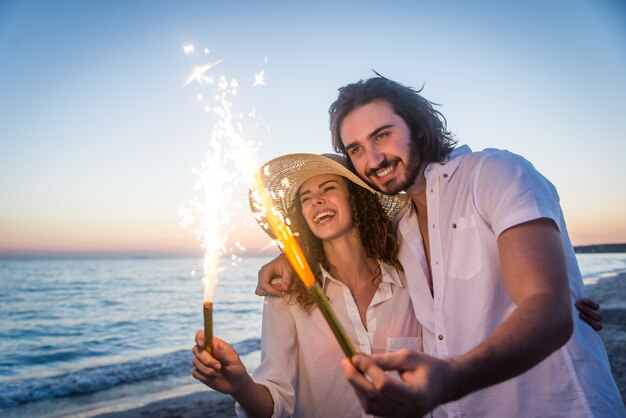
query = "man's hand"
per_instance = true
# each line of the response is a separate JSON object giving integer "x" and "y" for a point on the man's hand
{"x": 588, "y": 312}
{"x": 275, "y": 277}
{"x": 424, "y": 382}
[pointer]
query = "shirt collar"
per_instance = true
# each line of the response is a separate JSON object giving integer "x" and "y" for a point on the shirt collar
{"x": 385, "y": 269}
{"x": 448, "y": 166}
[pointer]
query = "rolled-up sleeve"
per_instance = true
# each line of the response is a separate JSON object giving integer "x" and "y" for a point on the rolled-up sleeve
{"x": 278, "y": 369}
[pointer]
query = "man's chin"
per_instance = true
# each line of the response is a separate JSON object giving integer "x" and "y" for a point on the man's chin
{"x": 389, "y": 187}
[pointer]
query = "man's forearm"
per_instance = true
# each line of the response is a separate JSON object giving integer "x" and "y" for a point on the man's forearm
{"x": 533, "y": 331}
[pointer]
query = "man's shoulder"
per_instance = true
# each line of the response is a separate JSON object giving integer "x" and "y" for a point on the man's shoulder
{"x": 492, "y": 158}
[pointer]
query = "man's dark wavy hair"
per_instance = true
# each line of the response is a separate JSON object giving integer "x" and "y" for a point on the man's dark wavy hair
{"x": 428, "y": 126}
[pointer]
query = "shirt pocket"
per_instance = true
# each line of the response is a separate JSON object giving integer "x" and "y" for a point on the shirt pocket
{"x": 395, "y": 344}
{"x": 465, "y": 257}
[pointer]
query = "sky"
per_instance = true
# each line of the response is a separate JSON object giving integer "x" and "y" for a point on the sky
{"x": 98, "y": 135}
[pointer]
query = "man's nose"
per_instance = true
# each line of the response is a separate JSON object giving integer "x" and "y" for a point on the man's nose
{"x": 374, "y": 157}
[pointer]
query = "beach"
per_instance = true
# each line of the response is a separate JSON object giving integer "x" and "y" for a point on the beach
{"x": 609, "y": 292}
{"x": 195, "y": 405}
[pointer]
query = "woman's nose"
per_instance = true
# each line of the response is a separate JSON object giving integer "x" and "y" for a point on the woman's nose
{"x": 317, "y": 200}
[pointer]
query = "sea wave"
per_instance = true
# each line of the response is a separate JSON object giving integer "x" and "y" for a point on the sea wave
{"x": 99, "y": 378}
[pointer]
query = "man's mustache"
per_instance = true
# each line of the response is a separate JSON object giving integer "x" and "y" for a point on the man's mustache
{"x": 383, "y": 164}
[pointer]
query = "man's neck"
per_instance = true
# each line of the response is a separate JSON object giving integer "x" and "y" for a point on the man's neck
{"x": 417, "y": 192}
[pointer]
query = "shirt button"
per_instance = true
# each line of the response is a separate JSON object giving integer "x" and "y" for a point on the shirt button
{"x": 431, "y": 190}
{"x": 453, "y": 225}
{"x": 440, "y": 337}
{"x": 445, "y": 176}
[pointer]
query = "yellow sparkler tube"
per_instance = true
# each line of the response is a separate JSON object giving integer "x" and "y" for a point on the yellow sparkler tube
{"x": 301, "y": 266}
{"x": 296, "y": 258}
{"x": 331, "y": 319}
{"x": 208, "y": 327}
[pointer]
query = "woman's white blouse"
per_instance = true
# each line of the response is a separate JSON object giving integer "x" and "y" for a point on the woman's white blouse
{"x": 300, "y": 357}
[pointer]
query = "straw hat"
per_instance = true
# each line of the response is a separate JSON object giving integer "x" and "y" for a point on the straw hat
{"x": 283, "y": 177}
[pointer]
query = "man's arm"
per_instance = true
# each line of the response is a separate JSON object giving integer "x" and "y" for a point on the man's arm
{"x": 535, "y": 274}
{"x": 274, "y": 277}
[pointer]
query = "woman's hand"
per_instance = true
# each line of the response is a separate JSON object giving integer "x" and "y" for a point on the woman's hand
{"x": 223, "y": 371}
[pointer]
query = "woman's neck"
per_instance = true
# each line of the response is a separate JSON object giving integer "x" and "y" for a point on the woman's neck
{"x": 354, "y": 268}
{"x": 351, "y": 264}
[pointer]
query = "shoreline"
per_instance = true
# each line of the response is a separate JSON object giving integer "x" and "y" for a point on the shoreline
{"x": 205, "y": 404}
{"x": 610, "y": 292}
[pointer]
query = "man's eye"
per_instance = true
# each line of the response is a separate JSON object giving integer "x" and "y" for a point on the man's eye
{"x": 355, "y": 150}
{"x": 382, "y": 136}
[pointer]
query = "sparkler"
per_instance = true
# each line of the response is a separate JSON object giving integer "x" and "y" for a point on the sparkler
{"x": 229, "y": 160}
{"x": 208, "y": 327}
{"x": 280, "y": 227}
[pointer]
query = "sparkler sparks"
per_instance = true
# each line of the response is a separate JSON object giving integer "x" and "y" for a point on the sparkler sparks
{"x": 198, "y": 73}
{"x": 259, "y": 79}
{"x": 229, "y": 160}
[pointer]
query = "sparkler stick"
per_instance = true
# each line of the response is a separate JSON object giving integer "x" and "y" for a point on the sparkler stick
{"x": 208, "y": 327}
{"x": 211, "y": 266}
{"x": 294, "y": 254}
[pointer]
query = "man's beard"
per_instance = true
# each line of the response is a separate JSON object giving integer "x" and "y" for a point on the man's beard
{"x": 412, "y": 172}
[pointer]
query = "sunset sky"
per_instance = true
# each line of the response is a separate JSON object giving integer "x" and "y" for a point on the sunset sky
{"x": 98, "y": 134}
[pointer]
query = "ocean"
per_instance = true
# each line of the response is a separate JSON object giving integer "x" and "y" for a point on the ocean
{"x": 82, "y": 337}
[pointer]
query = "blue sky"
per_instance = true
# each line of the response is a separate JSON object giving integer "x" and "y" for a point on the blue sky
{"x": 97, "y": 136}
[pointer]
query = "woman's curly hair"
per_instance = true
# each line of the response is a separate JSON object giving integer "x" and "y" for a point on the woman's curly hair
{"x": 373, "y": 226}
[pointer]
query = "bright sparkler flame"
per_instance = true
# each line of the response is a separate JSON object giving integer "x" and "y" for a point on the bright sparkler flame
{"x": 230, "y": 159}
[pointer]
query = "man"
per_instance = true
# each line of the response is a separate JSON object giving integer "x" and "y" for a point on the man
{"x": 490, "y": 268}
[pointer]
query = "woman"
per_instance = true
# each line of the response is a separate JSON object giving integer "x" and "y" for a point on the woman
{"x": 346, "y": 234}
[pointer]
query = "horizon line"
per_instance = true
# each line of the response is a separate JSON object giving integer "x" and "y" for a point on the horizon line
{"x": 64, "y": 255}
